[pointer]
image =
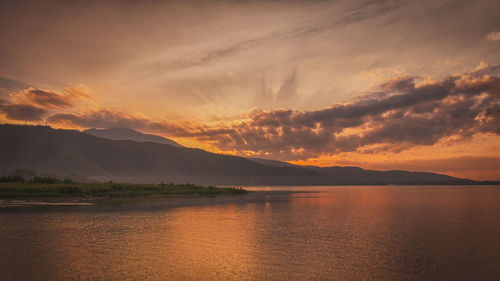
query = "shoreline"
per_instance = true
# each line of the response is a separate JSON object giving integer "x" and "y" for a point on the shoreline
{"x": 49, "y": 191}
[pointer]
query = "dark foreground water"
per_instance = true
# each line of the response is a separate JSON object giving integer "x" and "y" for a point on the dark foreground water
{"x": 326, "y": 233}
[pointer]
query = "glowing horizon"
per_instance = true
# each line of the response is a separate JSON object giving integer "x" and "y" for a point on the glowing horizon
{"x": 392, "y": 85}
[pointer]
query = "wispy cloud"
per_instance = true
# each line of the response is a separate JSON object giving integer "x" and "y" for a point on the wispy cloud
{"x": 173, "y": 51}
{"x": 356, "y": 12}
{"x": 493, "y": 36}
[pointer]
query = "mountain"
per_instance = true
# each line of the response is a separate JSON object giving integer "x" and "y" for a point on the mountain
{"x": 274, "y": 163}
{"x": 65, "y": 152}
{"x": 129, "y": 134}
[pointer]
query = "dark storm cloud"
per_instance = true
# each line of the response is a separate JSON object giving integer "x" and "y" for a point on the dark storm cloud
{"x": 398, "y": 116}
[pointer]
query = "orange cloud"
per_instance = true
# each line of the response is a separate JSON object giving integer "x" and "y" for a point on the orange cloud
{"x": 493, "y": 36}
{"x": 399, "y": 116}
{"x": 34, "y": 104}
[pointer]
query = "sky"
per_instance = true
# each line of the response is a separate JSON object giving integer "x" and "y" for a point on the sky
{"x": 411, "y": 85}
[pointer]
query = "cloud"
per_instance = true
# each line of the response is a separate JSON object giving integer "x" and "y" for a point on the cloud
{"x": 48, "y": 99}
{"x": 493, "y": 36}
{"x": 209, "y": 56}
{"x": 22, "y": 112}
{"x": 401, "y": 114}
{"x": 286, "y": 93}
{"x": 8, "y": 85}
{"x": 34, "y": 104}
{"x": 99, "y": 119}
{"x": 289, "y": 88}
{"x": 221, "y": 51}
{"x": 11, "y": 84}
{"x": 105, "y": 118}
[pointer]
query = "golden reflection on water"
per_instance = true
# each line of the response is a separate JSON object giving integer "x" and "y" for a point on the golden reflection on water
{"x": 376, "y": 233}
{"x": 212, "y": 242}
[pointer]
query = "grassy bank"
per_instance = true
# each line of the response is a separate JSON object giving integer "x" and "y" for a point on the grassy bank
{"x": 50, "y": 187}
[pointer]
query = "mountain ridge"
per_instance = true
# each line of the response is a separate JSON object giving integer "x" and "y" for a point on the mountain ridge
{"x": 64, "y": 152}
{"x": 129, "y": 134}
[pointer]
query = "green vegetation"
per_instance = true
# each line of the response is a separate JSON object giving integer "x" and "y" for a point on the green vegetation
{"x": 15, "y": 187}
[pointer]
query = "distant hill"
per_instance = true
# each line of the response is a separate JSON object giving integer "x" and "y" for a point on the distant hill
{"x": 274, "y": 163}
{"x": 65, "y": 152}
{"x": 129, "y": 134}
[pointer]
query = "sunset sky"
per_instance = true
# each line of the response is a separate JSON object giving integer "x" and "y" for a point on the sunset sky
{"x": 411, "y": 85}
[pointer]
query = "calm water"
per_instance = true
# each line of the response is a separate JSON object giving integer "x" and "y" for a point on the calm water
{"x": 325, "y": 233}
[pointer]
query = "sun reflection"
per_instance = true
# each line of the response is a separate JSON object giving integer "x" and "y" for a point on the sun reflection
{"x": 206, "y": 237}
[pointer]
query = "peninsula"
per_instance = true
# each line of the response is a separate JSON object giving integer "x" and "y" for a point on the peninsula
{"x": 49, "y": 187}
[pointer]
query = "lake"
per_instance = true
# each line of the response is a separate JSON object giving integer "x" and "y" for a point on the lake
{"x": 274, "y": 233}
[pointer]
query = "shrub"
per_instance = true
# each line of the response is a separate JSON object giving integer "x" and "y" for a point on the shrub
{"x": 12, "y": 178}
{"x": 48, "y": 179}
{"x": 69, "y": 181}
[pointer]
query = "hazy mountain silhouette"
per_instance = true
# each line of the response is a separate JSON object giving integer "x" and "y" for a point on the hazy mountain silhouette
{"x": 274, "y": 163}
{"x": 129, "y": 134}
{"x": 64, "y": 152}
